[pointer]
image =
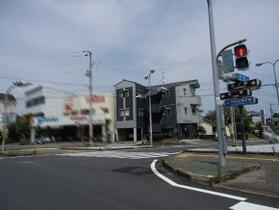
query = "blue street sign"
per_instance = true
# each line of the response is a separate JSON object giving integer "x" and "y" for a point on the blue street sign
{"x": 240, "y": 77}
{"x": 241, "y": 101}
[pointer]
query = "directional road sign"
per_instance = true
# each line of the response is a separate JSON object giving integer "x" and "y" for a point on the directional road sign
{"x": 236, "y": 94}
{"x": 241, "y": 101}
{"x": 250, "y": 84}
{"x": 239, "y": 77}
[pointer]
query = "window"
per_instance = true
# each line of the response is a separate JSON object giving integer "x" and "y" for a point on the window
{"x": 124, "y": 93}
{"x": 185, "y": 110}
{"x": 167, "y": 93}
{"x": 105, "y": 110}
{"x": 140, "y": 112}
{"x": 124, "y": 112}
{"x": 35, "y": 101}
{"x": 85, "y": 111}
{"x": 194, "y": 110}
{"x": 167, "y": 111}
{"x": 184, "y": 91}
{"x": 193, "y": 91}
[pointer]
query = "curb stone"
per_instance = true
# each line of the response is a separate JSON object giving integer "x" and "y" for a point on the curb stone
{"x": 208, "y": 180}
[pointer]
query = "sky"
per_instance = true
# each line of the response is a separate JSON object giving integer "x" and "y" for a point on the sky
{"x": 42, "y": 42}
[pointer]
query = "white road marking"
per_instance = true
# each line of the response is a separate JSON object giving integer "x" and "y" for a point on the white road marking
{"x": 156, "y": 172}
{"x": 119, "y": 154}
{"x": 248, "y": 206}
{"x": 242, "y": 205}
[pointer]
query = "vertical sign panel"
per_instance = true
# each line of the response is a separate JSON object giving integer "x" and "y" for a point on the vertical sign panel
{"x": 227, "y": 57}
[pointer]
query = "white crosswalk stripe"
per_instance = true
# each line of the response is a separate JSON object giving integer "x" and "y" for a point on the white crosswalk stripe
{"x": 119, "y": 154}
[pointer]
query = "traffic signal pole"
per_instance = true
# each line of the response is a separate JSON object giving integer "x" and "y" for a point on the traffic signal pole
{"x": 218, "y": 104}
{"x": 242, "y": 130}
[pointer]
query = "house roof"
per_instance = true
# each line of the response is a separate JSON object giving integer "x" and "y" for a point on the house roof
{"x": 10, "y": 97}
{"x": 195, "y": 83}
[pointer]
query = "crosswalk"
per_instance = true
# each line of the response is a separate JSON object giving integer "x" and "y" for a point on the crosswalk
{"x": 120, "y": 154}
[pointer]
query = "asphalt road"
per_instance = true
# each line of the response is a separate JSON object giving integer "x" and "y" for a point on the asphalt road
{"x": 105, "y": 180}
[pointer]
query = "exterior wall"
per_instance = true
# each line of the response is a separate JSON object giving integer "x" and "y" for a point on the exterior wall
{"x": 169, "y": 102}
{"x": 54, "y": 101}
{"x": 168, "y": 113}
{"x": 103, "y": 108}
{"x": 186, "y": 101}
{"x": 256, "y": 119}
{"x": 208, "y": 128}
{"x": 125, "y": 103}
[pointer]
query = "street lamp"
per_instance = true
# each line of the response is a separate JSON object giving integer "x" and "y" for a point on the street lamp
{"x": 275, "y": 77}
{"x": 15, "y": 84}
{"x": 150, "y": 114}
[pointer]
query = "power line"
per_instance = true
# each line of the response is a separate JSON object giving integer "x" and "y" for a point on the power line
{"x": 43, "y": 81}
{"x": 38, "y": 53}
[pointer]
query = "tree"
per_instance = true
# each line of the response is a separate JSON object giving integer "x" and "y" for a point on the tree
{"x": 275, "y": 115}
{"x": 211, "y": 115}
{"x": 18, "y": 129}
{"x": 201, "y": 130}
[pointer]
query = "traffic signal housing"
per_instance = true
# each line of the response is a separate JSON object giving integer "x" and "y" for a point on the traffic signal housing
{"x": 241, "y": 61}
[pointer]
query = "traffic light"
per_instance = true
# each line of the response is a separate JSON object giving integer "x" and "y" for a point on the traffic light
{"x": 241, "y": 61}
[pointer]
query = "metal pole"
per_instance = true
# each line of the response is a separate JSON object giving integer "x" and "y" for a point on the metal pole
{"x": 90, "y": 99}
{"x": 234, "y": 134}
{"x": 276, "y": 82}
{"x": 150, "y": 115}
{"x": 218, "y": 106}
{"x": 242, "y": 130}
{"x": 271, "y": 111}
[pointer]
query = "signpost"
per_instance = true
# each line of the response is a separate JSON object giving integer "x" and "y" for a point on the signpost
{"x": 236, "y": 94}
{"x": 239, "y": 95}
{"x": 250, "y": 84}
{"x": 239, "y": 77}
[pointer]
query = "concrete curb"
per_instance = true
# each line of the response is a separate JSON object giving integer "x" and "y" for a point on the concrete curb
{"x": 105, "y": 148}
{"x": 18, "y": 153}
{"x": 231, "y": 152}
{"x": 208, "y": 180}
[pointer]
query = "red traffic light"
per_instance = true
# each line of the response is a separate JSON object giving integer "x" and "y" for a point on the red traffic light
{"x": 240, "y": 51}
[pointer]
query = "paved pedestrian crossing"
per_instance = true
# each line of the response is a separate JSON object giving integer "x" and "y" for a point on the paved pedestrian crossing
{"x": 120, "y": 154}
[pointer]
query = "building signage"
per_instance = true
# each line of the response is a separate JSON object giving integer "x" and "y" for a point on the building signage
{"x": 41, "y": 120}
{"x": 96, "y": 99}
{"x": 65, "y": 121}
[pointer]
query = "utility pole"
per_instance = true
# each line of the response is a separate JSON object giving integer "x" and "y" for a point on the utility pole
{"x": 163, "y": 77}
{"x": 89, "y": 74}
{"x": 218, "y": 105}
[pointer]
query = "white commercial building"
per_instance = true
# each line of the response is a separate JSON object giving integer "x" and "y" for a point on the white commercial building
{"x": 45, "y": 101}
{"x": 66, "y": 116}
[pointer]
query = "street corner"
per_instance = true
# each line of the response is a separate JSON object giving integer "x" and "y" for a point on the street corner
{"x": 205, "y": 169}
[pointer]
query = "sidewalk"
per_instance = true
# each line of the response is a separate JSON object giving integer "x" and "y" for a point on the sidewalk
{"x": 256, "y": 174}
{"x": 65, "y": 147}
{"x": 265, "y": 148}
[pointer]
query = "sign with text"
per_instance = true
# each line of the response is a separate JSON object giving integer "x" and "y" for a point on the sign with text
{"x": 241, "y": 101}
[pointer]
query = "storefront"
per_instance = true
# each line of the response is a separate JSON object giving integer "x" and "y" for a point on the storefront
{"x": 74, "y": 125}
